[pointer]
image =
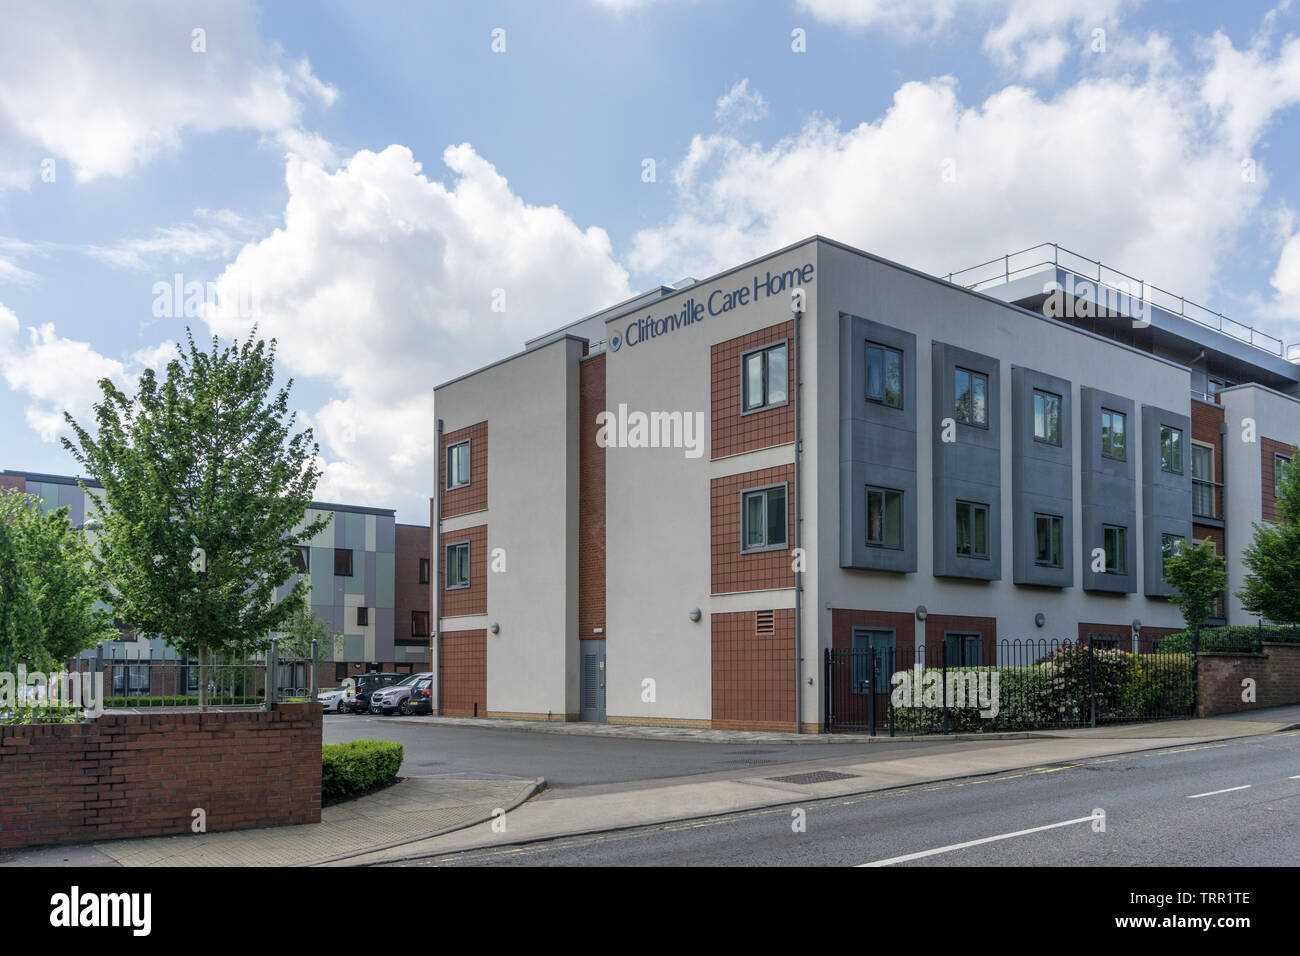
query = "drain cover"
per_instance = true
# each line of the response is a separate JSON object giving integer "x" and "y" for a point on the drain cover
{"x": 816, "y": 776}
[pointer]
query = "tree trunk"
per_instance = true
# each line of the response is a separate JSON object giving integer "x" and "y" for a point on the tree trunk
{"x": 203, "y": 677}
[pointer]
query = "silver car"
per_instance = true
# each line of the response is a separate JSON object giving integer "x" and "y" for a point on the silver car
{"x": 396, "y": 697}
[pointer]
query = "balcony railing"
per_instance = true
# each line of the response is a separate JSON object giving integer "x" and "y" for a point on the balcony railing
{"x": 1205, "y": 498}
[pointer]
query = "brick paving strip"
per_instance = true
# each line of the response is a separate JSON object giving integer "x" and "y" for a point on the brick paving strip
{"x": 411, "y": 809}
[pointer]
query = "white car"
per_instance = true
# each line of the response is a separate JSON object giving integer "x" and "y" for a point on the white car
{"x": 336, "y": 701}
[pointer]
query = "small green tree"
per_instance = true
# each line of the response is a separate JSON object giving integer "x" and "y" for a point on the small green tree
{"x": 1272, "y": 585}
{"x": 57, "y": 565}
{"x": 303, "y": 628}
{"x": 205, "y": 490}
{"x": 20, "y": 626}
{"x": 1199, "y": 578}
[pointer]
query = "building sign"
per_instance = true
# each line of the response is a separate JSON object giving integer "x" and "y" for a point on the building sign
{"x": 719, "y": 302}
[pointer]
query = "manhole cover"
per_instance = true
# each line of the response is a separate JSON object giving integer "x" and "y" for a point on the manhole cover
{"x": 815, "y": 776}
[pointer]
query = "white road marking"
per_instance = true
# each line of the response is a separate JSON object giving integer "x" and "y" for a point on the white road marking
{"x": 1296, "y": 777}
{"x": 961, "y": 846}
{"x": 1215, "y": 793}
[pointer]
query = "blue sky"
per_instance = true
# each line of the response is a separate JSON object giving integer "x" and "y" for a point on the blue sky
{"x": 363, "y": 177}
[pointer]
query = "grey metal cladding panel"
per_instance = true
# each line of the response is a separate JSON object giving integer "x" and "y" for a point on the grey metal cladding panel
{"x": 1042, "y": 479}
{"x": 331, "y": 616}
{"x": 1109, "y": 490}
{"x": 1166, "y": 496}
{"x": 968, "y": 468}
{"x": 385, "y": 634}
{"x": 385, "y": 533}
{"x": 877, "y": 446}
{"x": 369, "y": 596}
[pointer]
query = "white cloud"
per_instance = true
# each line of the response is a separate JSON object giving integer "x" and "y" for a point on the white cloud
{"x": 740, "y": 104}
{"x": 177, "y": 244}
{"x": 1134, "y": 169}
{"x": 380, "y": 283}
{"x": 108, "y": 86}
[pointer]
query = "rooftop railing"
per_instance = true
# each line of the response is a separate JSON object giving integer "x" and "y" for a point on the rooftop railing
{"x": 1015, "y": 265}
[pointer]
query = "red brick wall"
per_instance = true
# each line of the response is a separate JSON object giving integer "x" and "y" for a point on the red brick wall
{"x": 411, "y": 543}
{"x": 1205, "y": 428}
{"x": 474, "y": 496}
{"x": 753, "y": 674}
{"x": 462, "y": 673}
{"x": 591, "y": 501}
{"x": 473, "y": 599}
{"x": 937, "y": 624}
{"x": 1124, "y": 632}
{"x": 732, "y": 432}
{"x": 1267, "y": 449}
{"x": 138, "y": 775}
{"x": 843, "y": 621}
{"x": 732, "y": 570}
{"x": 16, "y": 482}
{"x": 1276, "y": 673}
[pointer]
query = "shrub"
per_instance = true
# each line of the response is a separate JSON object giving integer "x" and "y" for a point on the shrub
{"x": 354, "y": 767}
{"x": 1232, "y": 638}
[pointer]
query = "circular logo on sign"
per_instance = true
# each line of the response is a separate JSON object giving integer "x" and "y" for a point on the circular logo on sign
{"x": 615, "y": 342}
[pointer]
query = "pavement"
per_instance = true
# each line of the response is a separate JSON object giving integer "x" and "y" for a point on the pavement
{"x": 422, "y": 817}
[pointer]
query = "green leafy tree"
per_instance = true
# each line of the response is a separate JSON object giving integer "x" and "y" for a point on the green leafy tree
{"x": 20, "y": 626}
{"x": 58, "y": 564}
{"x": 205, "y": 494}
{"x": 1272, "y": 585}
{"x": 1199, "y": 578}
{"x": 303, "y": 628}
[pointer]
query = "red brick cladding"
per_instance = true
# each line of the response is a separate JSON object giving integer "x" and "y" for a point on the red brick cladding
{"x": 903, "y": 624}
{"x": 732, "y": 432}
{"x": 474, "y": 496}
{"x": 1205, "y": 428}
{"x": 1268, "y": 448}
{"x": 591, "y": 500}
{"x": 937, "y": 624}
{"x": 1276, "y": 673}
{"x": 757, "y": 571}
{"x": 462, "y": 673}
{"x": 473, "y": 599}
{"x": 16, "y": 482}
{"x": 1124, "y": 632}
{"x": 411, "y": 543}
{"x": 753, "y": 674}
{"x": 142, "y": 775}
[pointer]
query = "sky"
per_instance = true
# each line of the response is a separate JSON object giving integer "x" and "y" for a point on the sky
{"x": 399, "y": 193}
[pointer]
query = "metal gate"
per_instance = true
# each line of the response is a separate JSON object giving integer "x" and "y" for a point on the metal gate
{"x": 593, "y": 680}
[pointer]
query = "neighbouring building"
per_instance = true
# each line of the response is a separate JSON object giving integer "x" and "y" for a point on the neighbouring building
{"x": 368, "y": 575}
{"x": 666, "y": 512}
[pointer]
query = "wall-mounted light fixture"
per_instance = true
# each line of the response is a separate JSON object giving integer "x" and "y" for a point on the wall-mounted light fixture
{"x": 694, "y": 615}
{"x": 921, "y": 612}
{"x": 1137, "y": 626}
{"x": 495, "y": 628}
{"x": 1040, "y": 619}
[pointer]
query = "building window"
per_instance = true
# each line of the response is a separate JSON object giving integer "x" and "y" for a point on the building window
{"x": 1171, "y": 450}
{"x": 341, "y": 671}
{"x": 458, "y": 465}
{"x": 458, "y": 565}
{"x": 1104, "y": 642}
{"x": 363, "y": 616}
{"x": 1113, "y": 442}
{"x": 300, "y": 560}
{"x": 1115, "y": 543}
{"x": 972, "y": 529}
{"x": 1203, "y": 481}
{"x": 343, "y": 562}
{"x": 971, "y": 405}
{"x": 424, "y": 570}
{"x": 1170, "y": 544}
{"x": 763, "y": 516}
{"x": 1047, "y": 417}
{"x": 884, "y": 375}
{"x": 963, "y": 650}
{"x": 881, "y": 641}
{"x": 765, "y": 380}
{"x": 1280, "y": 463}
{"x": 419, "y": 623}
{"x": 1047, "y": 538}
{"x": 884, "y": 518}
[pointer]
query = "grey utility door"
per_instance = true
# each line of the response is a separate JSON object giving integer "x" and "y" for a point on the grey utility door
{"x": 593, "y": 680}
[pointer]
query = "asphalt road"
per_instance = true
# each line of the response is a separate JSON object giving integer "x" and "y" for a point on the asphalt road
{"x": 1162, "y": 808}
{"x": 573, "y": 760}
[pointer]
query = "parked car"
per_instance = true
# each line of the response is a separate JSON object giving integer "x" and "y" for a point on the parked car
{"x": 337, "y": 700}
{"x": 388, "y": 700}
{"x": 421, "y": 699}
{"x": 367, "y": 684}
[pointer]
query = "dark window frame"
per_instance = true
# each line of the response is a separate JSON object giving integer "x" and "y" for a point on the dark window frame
{"x": 1175, "y": 467}
{"x": 767, "y": 404}
{"x": 884, "y": 511}
{"x": 956, "y": 405}
{"x": 1060, "y": 413}
{"x": 350, "y": 572}
{"x": 883, "y": 399}
{"x": 469, "y": 466}
{"x": 745, "y": 495}
{"x": 1122, "y": 552}
{"x": 1123, "y": 416}
{"x": 1280, "y": 464}
{"x": 301, "y": 560}
{"x": 1057, "y": 521}
{"x": 456, "y": 545}
{"x": 363, "y": 616}
{"x": 880, "y": 680}
{"x": 425, "y": 570}
{"x": 975, "y": 507}
{"x": 419, "y": 619}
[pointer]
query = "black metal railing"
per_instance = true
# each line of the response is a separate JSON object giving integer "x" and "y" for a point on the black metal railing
{"x": 974, "y": 686}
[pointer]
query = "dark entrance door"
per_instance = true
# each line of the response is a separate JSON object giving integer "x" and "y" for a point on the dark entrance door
{"x": 593, "y": 680}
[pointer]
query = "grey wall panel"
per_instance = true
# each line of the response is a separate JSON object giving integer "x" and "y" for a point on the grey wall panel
{"x": 384, "y": 634}
{"x": 1109, "y": 490}
{"x": 1166, "y": 495}
{"x": 74, "y": 499}
{"x": 384, "y": 534}
{"x": 968, "y": 468}
{"x": 877, "y": 446}
{"x": 369, "y": 595}
{"x": 1042, "y": 479}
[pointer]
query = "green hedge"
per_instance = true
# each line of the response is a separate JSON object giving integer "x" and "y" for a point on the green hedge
{"x": 1239, "y": 637}
{"x": 358, "y": 765}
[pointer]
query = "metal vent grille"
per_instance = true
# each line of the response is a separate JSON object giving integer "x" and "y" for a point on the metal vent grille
{"x": 815, "y": 776}
{"x": 764, "y": 622}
